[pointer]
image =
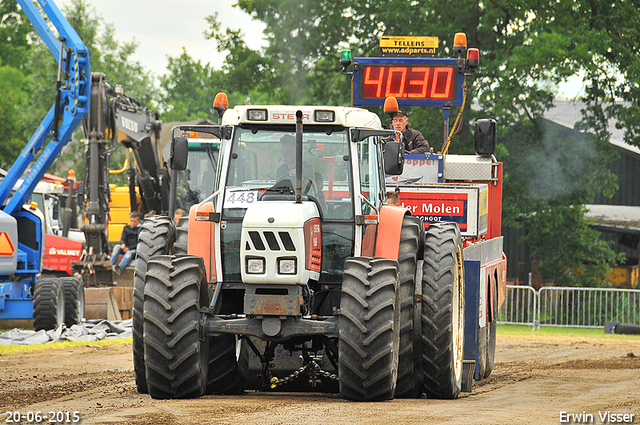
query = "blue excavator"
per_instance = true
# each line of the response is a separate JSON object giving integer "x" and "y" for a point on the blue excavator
{"x": 23, "y": 294}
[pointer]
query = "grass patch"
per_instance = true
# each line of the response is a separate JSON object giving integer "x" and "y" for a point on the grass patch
{"x": 12, "y": 349}
{"x": 562, "y": 332}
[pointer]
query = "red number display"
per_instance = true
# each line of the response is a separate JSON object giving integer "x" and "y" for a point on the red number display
{"x": 409, "y": 82}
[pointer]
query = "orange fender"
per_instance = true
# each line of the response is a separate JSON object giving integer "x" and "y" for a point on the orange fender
{"x": 389, "y": 230}
{"x": 201, "y": 240}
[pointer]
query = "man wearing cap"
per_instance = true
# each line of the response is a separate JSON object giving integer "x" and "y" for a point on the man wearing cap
{"x": 413, "y": 140}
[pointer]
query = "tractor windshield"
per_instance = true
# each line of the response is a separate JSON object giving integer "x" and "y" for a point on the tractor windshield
{"x": 199, "y": 180}
{"x": 265, "y": 159}
{"x": 371, "y": 173}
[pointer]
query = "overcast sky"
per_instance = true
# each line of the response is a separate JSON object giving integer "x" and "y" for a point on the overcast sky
{"x": 163, "y": 27}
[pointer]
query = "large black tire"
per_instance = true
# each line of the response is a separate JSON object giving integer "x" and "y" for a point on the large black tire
{"x": 483, "y": 336}
{"x": 492, "y": 328}
{"x": 627, "y": 328}
{"x": 176, "y": 360}
{"x": 442, "y": 318}
{"x": 369, "y": 335}
{"x": 228, "y": 365}
{"x": 182, "y": 236}
{"x": 48, "y": 304}
{"x": 156, "y": 238}
{"x": 228, "y": 354}
{"x": 73, "y": 288}
{"x": 410, "y": 381}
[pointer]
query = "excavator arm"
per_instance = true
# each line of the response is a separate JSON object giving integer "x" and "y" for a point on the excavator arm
{"x": 116, "y": 118}
{"x": 138, "y": 129}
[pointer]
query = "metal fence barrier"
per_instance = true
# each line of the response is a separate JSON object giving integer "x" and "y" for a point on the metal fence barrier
{"x": 519, "y": 306}
{"x": 587, "y": 307}
{"x": 570, "y": 307}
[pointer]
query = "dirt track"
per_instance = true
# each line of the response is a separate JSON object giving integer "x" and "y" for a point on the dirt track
{"x": 534, "y": 380}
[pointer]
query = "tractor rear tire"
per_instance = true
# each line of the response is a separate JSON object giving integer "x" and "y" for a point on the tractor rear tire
{"x": 228, "y": 365}
{"x": 369, "y": 334}
{"x": 410, "y": 381}
{"x": 48, "y": 304}
{"x": 442, "y": 318}
{"x": 182, "y": 236}
{"x": 73, "y": 288}
{"x": 156, "y": 237}
{"x": 176, "y": 360}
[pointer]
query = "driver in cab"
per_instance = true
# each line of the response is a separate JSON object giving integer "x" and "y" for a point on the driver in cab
{"x": 288, "y": 155}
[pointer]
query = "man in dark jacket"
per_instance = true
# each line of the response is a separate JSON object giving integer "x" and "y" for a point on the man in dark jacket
{"x": 128, "y": 243}
{"x": 413, "y": 140}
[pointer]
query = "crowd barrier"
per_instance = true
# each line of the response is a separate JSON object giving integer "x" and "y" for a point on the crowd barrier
{"x": 569, "y": 306}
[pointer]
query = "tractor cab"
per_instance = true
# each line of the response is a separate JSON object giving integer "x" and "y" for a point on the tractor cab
{"x": 341, "y": 183}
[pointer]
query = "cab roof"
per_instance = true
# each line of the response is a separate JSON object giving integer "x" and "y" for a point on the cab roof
{"x": 314, "y": 115}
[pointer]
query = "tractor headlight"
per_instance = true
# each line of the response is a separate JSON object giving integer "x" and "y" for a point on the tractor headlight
{"x": 257, "y": 114}
{"x": 255, "y": 266}
{"x": 324, "y": 116}
{"x": 287, "y": 266}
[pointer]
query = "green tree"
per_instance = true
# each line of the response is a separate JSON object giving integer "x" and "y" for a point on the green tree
{"x": 15, "y": 48}
{"x": 13, "y": 103}
{"x": 14, "y": 32}
{"x": 247, "y": 74}
{"x": 189, "y": 89}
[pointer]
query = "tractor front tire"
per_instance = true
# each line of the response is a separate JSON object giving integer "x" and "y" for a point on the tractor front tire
{"x": 410, "y": 381}
{"x": 182, "y": 236}
{"x": 48, "y": 304}
{"x": 369, "y": 331}
{"x": 176, "y": 360}
{"x": 73, "y": 288}
{"x": 156, "y": 237}
{"x": 442, "y": 319}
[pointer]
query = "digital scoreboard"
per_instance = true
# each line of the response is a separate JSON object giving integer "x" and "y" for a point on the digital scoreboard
{"x": 412, "y": 81}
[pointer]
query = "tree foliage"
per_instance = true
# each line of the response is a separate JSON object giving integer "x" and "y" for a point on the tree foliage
{"x": 189, "y": 88}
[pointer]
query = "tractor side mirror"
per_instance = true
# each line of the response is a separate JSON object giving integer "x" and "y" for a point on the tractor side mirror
{"x": 393, "y": 158}
{"x": 179, "y": 153}
{"x": 485, "y": 137}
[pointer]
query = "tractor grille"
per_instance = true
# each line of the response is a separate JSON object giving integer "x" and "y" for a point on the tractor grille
{"x": 275, "y": 242}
